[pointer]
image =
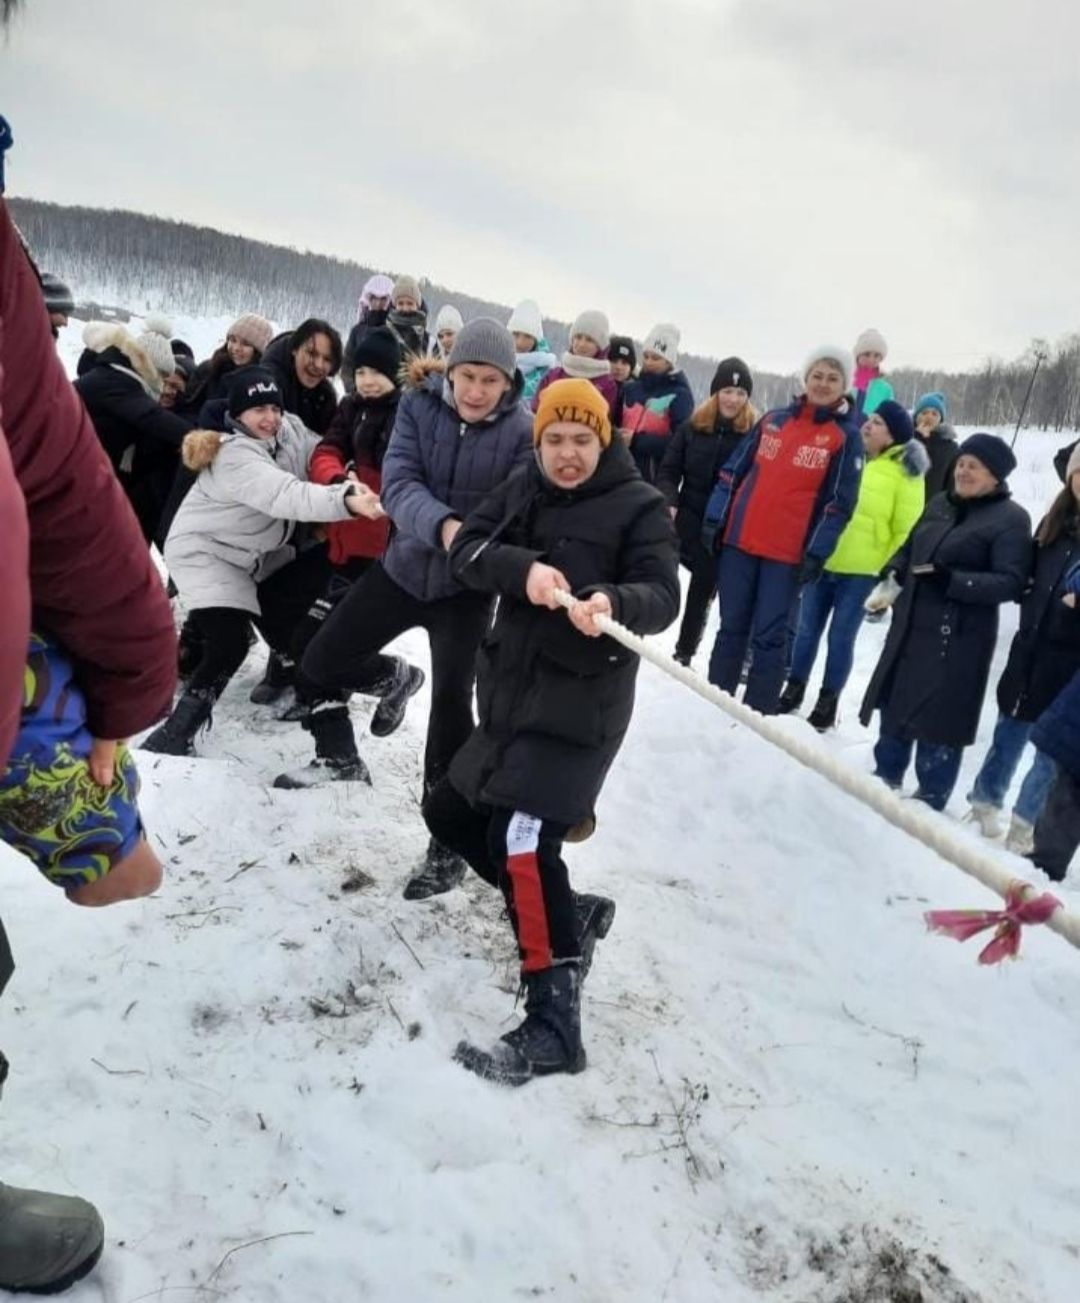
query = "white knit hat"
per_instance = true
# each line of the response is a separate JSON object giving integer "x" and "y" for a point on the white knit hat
{"x": 664, "y": 339}
{"x": 871, "y": 341}
{"x": 449, "y": 318}
{"x": 831, "y": 353}
{"x": 526, "y": 320}
{"x": 154, "y": 342}
{"x": 594, "y": 324}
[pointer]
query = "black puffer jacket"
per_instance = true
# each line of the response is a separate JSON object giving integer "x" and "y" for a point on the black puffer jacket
{"x": 368, "y": 322}
{"x": 554, "y": 705}
{"x": 695, "y": 453}
{"x": 931, "y": 679}
{"x": 315, "y": 407}
{"x": 1045, "y": 652}
{"x": 942, "y": 449}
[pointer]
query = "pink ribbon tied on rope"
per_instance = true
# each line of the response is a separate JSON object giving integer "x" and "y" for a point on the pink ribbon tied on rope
{"x": 1020, "y": 909}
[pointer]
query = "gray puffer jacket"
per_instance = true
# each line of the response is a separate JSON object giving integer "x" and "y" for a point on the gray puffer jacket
{"x": 438, "y": 466}
{"x": 236, "y": 525}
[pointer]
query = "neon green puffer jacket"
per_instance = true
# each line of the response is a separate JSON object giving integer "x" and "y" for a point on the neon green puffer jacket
{"x": 891, "y": 499}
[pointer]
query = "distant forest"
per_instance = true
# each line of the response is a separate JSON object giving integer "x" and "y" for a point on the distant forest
{"x": 118, "y": 259}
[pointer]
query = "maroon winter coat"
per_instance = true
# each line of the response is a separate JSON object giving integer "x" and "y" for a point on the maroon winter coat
{"x": 92, "y": 582}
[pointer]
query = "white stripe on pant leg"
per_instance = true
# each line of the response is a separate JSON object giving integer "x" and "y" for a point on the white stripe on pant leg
{"x": 523, "y": 833}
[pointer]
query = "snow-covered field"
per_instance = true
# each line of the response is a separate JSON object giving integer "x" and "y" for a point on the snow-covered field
{"x": 794, "y": 1092}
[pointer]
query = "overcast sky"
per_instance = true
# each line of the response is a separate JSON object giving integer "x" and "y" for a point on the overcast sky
{"x": 768, "y": 174}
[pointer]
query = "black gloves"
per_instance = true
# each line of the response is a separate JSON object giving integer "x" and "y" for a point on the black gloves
{"x": 810, "y": 569}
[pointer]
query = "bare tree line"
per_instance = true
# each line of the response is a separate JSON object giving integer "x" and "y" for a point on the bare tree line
{"x": 141, "y": 263}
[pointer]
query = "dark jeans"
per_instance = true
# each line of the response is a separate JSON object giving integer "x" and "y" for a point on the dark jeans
{"x": 1057, "y": 830}
{"x": 756, "y": 599}
{"x": 522, "y": 856}
{"x": 345, "y": 654}
{"x": 222, "y": 632}
{"x": 936, "y": 767}
{"x": 842, "y": 597}
{"x": 997, "y": 771}
{"x": 699, "y": 598}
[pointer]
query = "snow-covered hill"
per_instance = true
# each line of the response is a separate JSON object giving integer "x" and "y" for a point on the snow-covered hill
{"x": 794, "y": 1092}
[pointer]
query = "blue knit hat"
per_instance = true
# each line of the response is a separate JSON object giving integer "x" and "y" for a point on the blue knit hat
{"x": 994, "y": 453}
{"x": 934, "y": 401}
{"x": 896, "y": 418}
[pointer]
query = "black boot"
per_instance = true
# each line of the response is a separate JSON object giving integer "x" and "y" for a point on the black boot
{"x": 440, "y": 870}
{"x": 336, "y": 757}
{"x": 279, "y": 677}
{"x": 405, "y": 682}
{"x": 595, "y": 915}
{"x": 176, "y": 737}
{"x": 792, "y": 697}
{"x": 189, "y": 651}
{"x": 682, "y": 656}
{"x": 549, "y": 1039}
{"x": 823, "y": 716}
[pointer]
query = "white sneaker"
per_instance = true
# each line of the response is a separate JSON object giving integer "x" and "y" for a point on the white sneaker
{"x": 988, "y": 817}
{"x": 1021, "y": 836}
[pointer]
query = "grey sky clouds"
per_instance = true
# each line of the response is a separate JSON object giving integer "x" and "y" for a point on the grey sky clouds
{"x": 766, "y": 173}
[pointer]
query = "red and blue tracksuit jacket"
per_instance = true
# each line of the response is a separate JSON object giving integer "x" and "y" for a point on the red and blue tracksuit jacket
{"x": 790, "y": 486}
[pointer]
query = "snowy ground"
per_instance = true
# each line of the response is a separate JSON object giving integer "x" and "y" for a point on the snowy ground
{"x": 794, "y": 1093}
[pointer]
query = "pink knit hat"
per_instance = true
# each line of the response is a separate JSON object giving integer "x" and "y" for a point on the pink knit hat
{"x": 254, "y": 330}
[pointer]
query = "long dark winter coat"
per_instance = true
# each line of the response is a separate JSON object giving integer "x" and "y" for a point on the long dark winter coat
{"x": 1057, "y": 731}
{"x": 120, "y": 388}
{"x": 438, "y": 467}
{"x": 692, "y": 461}
{"x": 1045, "y": 652}
{"x": 931, "y": 679}
{"x": 315, "y": 407}
{"x": 553, "y": 704}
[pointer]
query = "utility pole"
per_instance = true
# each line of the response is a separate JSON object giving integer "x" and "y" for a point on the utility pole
{"x": 1040, "y": 358}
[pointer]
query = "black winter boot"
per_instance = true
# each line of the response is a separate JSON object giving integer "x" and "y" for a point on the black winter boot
{"x": 549, "y": 1039}
{"x": 595, "y": 915}
{"x": 792, "y": 696}
{"x": 47, "y": 1241}
{"x": 823, "y": 716}
{"x": 176, "y": 737}
{"x": 336, "y": 757}
{"x": 279, "y": 677}
{"x": 405, "y": 682}
{"x": 441, "y": 870}
{"x": 189, "y": 651}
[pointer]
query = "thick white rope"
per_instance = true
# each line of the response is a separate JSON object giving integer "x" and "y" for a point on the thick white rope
{"x": 906, "y": 815}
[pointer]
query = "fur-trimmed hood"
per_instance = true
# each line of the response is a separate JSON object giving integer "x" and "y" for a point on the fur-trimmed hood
{"x": 102, "y": 336}
{"x": 416, "y": 371}
{"x": 200, "y": 447}
{"x": 914, "y": 458}
{"x": 704, "y": 418}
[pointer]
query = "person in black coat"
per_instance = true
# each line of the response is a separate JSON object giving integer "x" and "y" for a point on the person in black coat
{"x": 1057, "y": 734}
{"x": 1044, "y": 655}
{"x": 695, "y": 453}
{"x": 246, "y": 340}
{"x": 304, "y": 362}
{"x": 970, "y": 553}
{"x": 372, "y": 312}
{"x": 121, "y": 387}
{"x": 938, "y": 439}
{"x": 554, "y": 698}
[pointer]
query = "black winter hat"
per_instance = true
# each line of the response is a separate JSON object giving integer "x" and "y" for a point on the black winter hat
{"x": 732, "y": 373}
{"x": 896, "y": 418}
{"x": 621, "y": 349}
{"x": 994, "y": 453}
{"x": 253, "y": 386}
{"x": 58, "y": 295}
{"x": 380, "y": 350}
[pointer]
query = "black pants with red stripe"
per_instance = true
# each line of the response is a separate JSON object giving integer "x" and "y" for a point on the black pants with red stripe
{"x": 522, "y": 856}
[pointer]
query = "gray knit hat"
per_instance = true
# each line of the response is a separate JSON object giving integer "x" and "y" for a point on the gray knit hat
{"x": 407, "y": 286}
{"x": 594, "y": 324}
{"x": 486, "y": 342}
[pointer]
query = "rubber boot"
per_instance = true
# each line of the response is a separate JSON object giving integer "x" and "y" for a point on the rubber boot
{"x": 405, "y": 682}
{"x": 47, "y": 1241}
{"x": 546, "y": 1042}
{"x": 792, "y": 697}
{"x": 176, "y": 737}
{"x": 336, "y": 757}
{"x": 279, "y": 677}
{"x": 595, "y": 915}
{"x": 441, "y": 870}
{"x": 823, "y": 716}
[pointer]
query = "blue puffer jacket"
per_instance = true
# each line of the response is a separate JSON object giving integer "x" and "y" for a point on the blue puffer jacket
{"x": 1057, "y": 731}
{"x": 438, "y": 466}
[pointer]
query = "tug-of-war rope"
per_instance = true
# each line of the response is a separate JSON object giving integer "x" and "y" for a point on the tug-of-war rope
{"x": 1024, "y": 902}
